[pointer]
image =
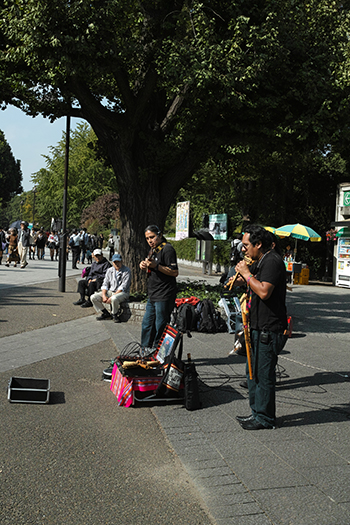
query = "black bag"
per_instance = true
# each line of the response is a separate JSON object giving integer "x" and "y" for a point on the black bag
{"x": 206, "y": 316}
{"x": 186, "y": 318}
{"x": 192, "y": 401}
{"x": 209, "y": 320}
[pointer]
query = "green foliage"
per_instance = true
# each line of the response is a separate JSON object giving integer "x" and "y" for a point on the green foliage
{"x": 15, "y": 209}
{"x": 88, "y": 178}
{"x": 10, "y": 172}
{"x": 222, "y": 252}
{"x": 210, "y": 191}
{"x": 200, "y": 289}
{"x": 185, "y": 249}
{"x": 165, "y": 84}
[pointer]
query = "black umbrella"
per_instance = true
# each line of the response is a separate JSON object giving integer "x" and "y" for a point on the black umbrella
{"x": 16, "y": 224}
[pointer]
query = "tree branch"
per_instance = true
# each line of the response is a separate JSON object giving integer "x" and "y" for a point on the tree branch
{"x": 92, "y": 110}
{"x": 175, "y": 106}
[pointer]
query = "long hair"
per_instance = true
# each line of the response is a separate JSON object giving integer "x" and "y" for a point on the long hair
{"x": 154, "y": 229}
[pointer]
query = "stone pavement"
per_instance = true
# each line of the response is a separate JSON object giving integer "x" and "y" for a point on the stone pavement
{"x": 298, "y": 474}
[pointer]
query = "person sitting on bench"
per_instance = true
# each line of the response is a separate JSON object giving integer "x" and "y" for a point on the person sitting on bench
{"x": 115, "y": 290}
{"x": 94, "y": 279}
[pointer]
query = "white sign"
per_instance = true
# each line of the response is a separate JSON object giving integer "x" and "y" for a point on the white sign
{"x": 182, "y": 220}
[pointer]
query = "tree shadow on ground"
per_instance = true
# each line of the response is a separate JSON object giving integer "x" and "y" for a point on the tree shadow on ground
{"x": 324, "y": 414}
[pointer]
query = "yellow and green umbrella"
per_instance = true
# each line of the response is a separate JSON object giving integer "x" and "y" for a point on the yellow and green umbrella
{"x": 298, "y": 231}
{"x": 270, "y": 229}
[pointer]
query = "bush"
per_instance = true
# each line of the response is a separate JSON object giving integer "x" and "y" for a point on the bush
{"x": 200, "y": 289}
{"x": 186, "y": 249}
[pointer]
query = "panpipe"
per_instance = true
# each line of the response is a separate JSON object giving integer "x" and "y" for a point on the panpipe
{"x": 246, "y": 328}
{"x": 230, "y": 284}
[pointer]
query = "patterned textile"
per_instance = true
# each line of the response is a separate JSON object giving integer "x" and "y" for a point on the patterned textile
{"x": 123, "y": 387}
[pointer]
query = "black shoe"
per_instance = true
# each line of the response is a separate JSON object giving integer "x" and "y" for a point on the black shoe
{"x": 87, "y": 304}
{"x": 253, "y": 424}
{"x": 116, "y": 318}
{"x": 244, "y": 418}
{"x": 80, "y": 302}
{"x": 104, "y": 315}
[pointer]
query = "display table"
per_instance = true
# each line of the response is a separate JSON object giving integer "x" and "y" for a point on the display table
{"x": 293, "y": 267}
{"x": 124, "y": 387}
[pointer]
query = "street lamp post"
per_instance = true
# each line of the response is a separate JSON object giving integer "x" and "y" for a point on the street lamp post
{"x": 20, "y": 210}
{"x": 62, "y": 264}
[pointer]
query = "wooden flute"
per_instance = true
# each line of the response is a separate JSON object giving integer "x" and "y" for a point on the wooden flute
{"x": 230, "y": 284}
{"x": 246, "y": 328}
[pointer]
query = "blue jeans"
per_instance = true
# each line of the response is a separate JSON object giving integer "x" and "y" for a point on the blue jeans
{"x": 156, "y": 317}
{"x": 262, "y": 395}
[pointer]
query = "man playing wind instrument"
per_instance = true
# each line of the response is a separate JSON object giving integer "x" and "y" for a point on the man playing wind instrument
{"x": 268, "y": 323}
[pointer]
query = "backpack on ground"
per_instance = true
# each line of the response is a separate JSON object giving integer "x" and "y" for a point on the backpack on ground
{"x": 186, "y": 318}
{"x": 209, "y": 320}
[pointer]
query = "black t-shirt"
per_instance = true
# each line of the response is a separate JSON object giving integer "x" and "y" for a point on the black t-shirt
{"x": 160, "y": 286}
{"x": 270, "y": 314}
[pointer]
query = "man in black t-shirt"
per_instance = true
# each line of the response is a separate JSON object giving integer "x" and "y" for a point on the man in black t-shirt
{"x": 268, "y": 321}
{"x": 161, "y": 266}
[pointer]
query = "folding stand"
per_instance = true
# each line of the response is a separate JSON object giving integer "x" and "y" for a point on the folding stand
{"x": 234, "y": 314}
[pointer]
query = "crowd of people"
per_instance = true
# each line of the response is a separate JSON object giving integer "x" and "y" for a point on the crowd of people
{"x": 17, "y": 246}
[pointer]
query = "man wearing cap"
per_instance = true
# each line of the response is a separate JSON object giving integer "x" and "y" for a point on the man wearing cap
{"x": 23, "y": 243}
{"x": 115, "y": 290}
{"x": 94, "y": 279}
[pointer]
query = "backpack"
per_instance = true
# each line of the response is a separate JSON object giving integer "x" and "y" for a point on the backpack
{"x": 206, "y": 316}
{"x": 209, "y": 320}
{"x": 186, "y": 318}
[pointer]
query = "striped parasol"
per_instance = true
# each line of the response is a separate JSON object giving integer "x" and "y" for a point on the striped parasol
{"x": 298, "y": 231}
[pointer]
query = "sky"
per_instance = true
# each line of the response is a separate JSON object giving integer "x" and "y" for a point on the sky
{"x": 29, "y": 138}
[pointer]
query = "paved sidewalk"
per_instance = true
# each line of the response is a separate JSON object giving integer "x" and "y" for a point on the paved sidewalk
{"x": 298, "y": 474}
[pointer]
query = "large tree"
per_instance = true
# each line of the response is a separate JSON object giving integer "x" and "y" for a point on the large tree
{"x": 10, "y": 172}
{"x": 165, "y": 84}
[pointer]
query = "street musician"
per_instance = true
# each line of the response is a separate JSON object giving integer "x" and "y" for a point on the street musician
{"x": 268, "y": 322}
{"x": 162, "y": 270}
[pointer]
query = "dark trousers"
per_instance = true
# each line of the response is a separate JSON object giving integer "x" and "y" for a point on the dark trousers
{"x": 75, "y": 256}
{"x": 156, "y": 317}
{"x": 85, "y": 288}
{"x": 262, "y": 393}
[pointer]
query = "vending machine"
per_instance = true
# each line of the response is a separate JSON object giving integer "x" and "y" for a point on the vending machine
{"x": 343, "y": 262}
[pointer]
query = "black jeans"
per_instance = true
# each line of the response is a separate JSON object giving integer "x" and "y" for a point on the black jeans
{"x": 75, "y": 256}
{"x": 85, "y": 288}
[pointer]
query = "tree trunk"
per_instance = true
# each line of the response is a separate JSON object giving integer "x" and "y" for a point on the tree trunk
{"x": 146, "y": 191}
{"x": 136, "y": 214}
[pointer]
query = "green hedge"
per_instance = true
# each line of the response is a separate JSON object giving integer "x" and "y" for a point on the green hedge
{"x": 186, "y": 249}
{"x": 200, "y": 289}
